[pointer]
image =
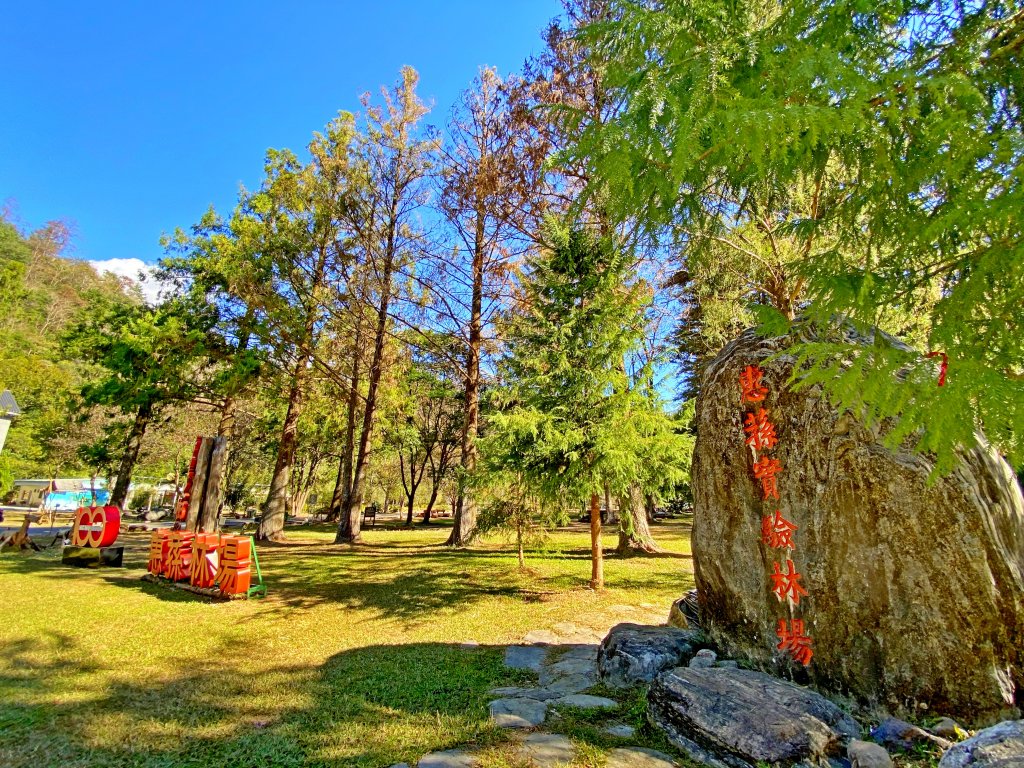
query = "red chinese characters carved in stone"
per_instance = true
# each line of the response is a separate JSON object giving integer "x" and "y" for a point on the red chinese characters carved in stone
{"x": 760, "y": 431}
{"x": 765, "y": 470}
{"x": 794, "y": 641}
{"x": 777, "y": 531}
{"x": 752, "y": 390}
{"x": 787, "y": 585}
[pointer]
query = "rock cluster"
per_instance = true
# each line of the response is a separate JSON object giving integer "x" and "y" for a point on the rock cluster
{"x": 1001, "y": 746}
{"x": 916, "y": 583}
{"x": 634, "y": 654}
{"x": 736, "y": 718}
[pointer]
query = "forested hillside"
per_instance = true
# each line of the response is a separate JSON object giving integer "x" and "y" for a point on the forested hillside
{"x": 41, "y": 293}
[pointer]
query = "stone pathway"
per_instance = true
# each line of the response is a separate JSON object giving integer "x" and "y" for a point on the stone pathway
{"x": 564, "y": 658}
{"x": 546, "y": 750}
{"x": 450, "y": 758}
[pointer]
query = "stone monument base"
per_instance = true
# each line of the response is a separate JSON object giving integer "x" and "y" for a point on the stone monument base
{"x": 93, "y": 557}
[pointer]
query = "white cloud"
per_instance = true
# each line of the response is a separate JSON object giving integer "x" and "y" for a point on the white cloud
{"x": 136, "y": 270}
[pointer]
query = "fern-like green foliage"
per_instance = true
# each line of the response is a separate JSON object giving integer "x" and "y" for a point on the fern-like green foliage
{"x": 576, "y": 408}
{"x": 903, "y": 119}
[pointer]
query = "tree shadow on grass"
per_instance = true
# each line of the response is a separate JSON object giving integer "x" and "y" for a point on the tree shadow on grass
{"x": 369, "y": 707}
{"x": 408, "y": 583}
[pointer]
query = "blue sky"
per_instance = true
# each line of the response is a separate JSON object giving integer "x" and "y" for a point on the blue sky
{"x": 129, "y": 119}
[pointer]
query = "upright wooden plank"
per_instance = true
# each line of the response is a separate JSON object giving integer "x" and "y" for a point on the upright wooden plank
{"x": 209, "y": 520}
{"x": 199, "y": 485}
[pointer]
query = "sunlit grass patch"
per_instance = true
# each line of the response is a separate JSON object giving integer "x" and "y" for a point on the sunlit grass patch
{"x": 354, "y": 658}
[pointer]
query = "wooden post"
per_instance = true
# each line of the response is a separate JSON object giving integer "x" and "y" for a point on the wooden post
{"x": 596, "y": 555}
{"x": 198, "y": 485}
{"x": 209, "y": 519}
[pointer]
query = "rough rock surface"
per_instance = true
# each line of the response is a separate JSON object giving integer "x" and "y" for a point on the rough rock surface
{"x": 451, "y": 758}
{"x": 948, "y": 728}
{"x": 866, "y": 754}
{"x": 586, "y": 701}
{"x": 737, "y": 717}
{"x": 518, "y": 713}
{"x": 916, "y": 590}
{"x": 546, "y": 750}
{"x": 1001, "y": 746}
{"x": 621, "y": 730}
{"x": 529, "y": 657}
{"x": 684, "y": 612}
{"x": 893, "y": 733}
{"x": 635, "y": 653}
{"x": 704, "y": 659}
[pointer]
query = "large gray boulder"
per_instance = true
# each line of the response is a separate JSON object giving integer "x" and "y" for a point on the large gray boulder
{"x": 915, "y": 584}
{"x": 633, "y": 654}
{"x": 1001, "y": 746}
{"x": 740, "y": 718}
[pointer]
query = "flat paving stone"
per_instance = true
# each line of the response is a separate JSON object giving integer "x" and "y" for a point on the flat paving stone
{"x": 571, "y": 666}
{"x": 518, "y": 713}
{"x": 525, "y": 657}
{"x": 451, "y": 758}
{"x": 571, "y": 684}
{"x": 585, "y": 652}
{"x": 586, "y": 701}
{"x": 638, "y": 757}
{"x": 546, "y": 750}
{"x": 621, "y": 730}
{"x": 516, "y": 692}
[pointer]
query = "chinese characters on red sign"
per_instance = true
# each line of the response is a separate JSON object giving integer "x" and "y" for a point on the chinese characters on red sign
{"x": 776, "y": 531}
{"x": 203, "y": 559}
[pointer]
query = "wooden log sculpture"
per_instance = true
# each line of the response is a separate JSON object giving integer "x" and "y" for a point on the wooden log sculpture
{"x": 20, "y": 539}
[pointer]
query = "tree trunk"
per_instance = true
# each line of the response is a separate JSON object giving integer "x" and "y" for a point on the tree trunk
{"x": 409, "y": 512}
{"x": 609, "y": 518}
{"x": 131, "y": 455}
{"x": 228, "y": 409}
{"x": 649, "y": 507}
{"x": 596, "y": 555}
{"x": 465, "y": 512}
{"x": 430, "y": 503}
{"x": 519, "y": 545}
{"x": 343, "y": 484}
{"x": 634, "y": 533}
{"x": 272, "y": 525}
{"x": 352, "y": 514}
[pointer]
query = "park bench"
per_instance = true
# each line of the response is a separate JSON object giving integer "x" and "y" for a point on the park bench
{"x": 370, "y": 513}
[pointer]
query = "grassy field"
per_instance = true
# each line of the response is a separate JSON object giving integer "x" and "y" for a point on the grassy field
{"x": 356, "y": 657}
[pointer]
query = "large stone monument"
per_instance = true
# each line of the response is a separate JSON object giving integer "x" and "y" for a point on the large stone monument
{"x": 911, "y": 593}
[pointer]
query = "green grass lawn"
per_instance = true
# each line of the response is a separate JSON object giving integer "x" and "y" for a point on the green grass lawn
{"x": 354, "y": 658}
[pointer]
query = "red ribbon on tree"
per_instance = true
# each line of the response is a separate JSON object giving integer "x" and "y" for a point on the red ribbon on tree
{"x": 942, "y": 368}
